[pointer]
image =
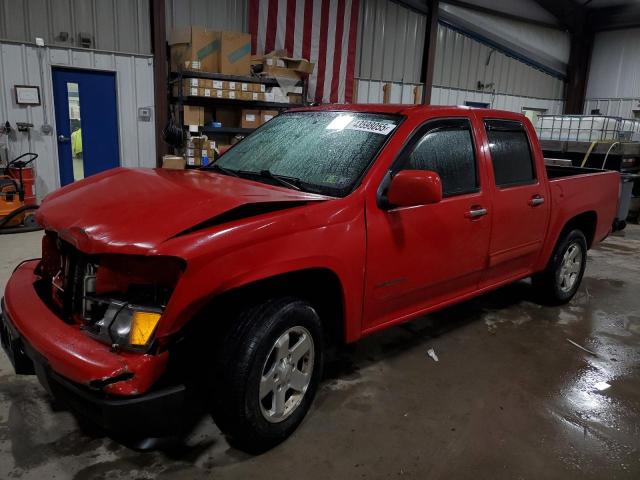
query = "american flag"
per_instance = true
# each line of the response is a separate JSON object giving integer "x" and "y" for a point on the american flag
{"x": 321, "y": 31}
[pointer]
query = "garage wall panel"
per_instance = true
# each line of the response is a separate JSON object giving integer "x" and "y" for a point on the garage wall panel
{"x": 514, "y": 103}
{"x": 390, "y": 42}
{"x": 615, "y": 65}
{"x": 616, "y": 107}
{"x": 115, "y": 25}
{"x": 19, "y": 64}
{"x": 461, "y": 62}
{"x": 213, "y": 14}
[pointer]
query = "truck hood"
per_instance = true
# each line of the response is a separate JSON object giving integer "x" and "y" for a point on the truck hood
{"x": 134, "y": 210}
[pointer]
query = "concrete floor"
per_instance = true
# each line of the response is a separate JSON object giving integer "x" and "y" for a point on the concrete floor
{"x": 509, "y": 398}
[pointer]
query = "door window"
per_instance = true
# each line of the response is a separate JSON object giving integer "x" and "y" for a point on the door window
{"x": 448, "y": 150}
{"x": 510, "y": 153}
{"x": 75, "y": 127}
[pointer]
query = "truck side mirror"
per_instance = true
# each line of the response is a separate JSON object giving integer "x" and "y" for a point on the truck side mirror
{"x": 414, "y": 187}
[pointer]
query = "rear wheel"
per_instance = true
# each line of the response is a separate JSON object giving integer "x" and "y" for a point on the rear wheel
{"x": 561, "y": 279}
{"x": 268, "y": 368}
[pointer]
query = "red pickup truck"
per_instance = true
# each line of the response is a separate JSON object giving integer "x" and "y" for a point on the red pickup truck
{"x": 223, "y": 287}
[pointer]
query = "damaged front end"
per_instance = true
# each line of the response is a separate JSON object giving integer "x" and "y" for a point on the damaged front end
{"x": 116, "y": 299}
{"x": 85, "y": 325}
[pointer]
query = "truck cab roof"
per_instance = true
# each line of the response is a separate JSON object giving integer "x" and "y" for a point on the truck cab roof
{"x": 410, "y": 109}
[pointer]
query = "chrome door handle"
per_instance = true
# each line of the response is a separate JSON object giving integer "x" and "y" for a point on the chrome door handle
{"x": 476, "y": 212}
{"x": 536, "y": 200}
{"x": 62, "y": 138}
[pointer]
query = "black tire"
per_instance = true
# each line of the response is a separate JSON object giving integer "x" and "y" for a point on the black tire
{"x": 247, "y": 345}
{"x": 550, "y": 284}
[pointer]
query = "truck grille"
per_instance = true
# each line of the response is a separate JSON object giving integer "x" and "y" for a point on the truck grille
{"x": 68, "y": 285}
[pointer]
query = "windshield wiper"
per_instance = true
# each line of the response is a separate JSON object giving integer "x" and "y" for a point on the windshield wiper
{"x": 226, "y": 171}
{"x": 289, "y": 182}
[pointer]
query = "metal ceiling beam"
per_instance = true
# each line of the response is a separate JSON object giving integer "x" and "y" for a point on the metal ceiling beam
{"x": 564, "y": 10}
{"x": 573, "y": 17}
{"x": 429, "y": 52}
{"x": 615, "y": 18}
{"x": 160, "y": 76}
{"x": 498, "y": 13}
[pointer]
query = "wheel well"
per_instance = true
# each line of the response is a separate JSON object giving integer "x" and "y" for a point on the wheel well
{"x": 585, "y": 222}
{"x": 320, "y": 287}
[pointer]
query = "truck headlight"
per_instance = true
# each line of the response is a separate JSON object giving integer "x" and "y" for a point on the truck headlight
{"x": 133, "y": 327}
{"x": 126, "y": 326}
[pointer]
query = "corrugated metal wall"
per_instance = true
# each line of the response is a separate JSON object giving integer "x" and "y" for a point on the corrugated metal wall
{"x": 213, "y": 14}
{"x": 134, "y": 77}
{"x": 513, "y": 103}
{"x": 462, "y": 62}
{"x": 390, "y": 46}
{"x": 390, "y": 42}
{"x": 616, "y": 107}
{"x": 613, "y": 86}
{"x": 114, "y": 25}
{"x": 548, "y": 47}
{"x": 614, "y": 70}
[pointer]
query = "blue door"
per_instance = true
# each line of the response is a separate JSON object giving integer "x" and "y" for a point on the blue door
{"x": 86, "y": 122}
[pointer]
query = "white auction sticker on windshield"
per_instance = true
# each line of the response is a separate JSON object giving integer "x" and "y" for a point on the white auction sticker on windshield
{"x": 371, "y": 126}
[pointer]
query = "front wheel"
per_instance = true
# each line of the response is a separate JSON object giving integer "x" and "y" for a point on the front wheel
{"x": 561, "y": 279}
{"x": 268, "y": 371}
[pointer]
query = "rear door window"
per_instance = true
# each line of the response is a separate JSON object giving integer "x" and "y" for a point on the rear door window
{"x": 510, "y": 153}
{"x": 447, "y": 149}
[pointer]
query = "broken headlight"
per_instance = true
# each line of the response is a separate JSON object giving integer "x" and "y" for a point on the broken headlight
{"x": 124, "y": 325}
{"x": 122, "y": 307}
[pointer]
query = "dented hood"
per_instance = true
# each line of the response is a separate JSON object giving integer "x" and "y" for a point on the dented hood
{"x": 134, "y": 210}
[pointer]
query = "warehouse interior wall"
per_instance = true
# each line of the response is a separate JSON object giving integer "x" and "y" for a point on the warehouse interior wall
{"x": 546, "y": 48}
{"x": 467, "y": 70}
{"x": 111, "y": 25}
{"x": 389, "y": 51}
{"x": 213, "y": 14}
{"x": 19, "y": 65}
{"x": 613, "y": 84}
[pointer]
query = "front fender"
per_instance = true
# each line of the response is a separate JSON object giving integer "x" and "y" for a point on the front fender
{"x": 337, "y": 247}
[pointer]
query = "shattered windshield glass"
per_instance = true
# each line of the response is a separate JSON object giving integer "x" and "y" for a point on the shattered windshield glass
{"x": 322, "y": 152}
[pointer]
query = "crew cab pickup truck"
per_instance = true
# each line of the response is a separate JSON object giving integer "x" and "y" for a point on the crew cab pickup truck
{"x": 223, "y": 287}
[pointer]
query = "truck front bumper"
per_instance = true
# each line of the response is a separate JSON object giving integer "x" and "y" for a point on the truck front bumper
{"x": 86, "y": 375}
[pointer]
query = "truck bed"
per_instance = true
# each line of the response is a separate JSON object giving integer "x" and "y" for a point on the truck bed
{"x": 560, "y": 171}
{"x": 575, "y": 190}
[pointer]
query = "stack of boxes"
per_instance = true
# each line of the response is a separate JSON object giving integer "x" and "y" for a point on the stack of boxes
{"x": 201, "y": 87}
{"x": 200, "y": 151}
{"x": 229, "y": 53}
{"x": 196, "y": 48}
{"x": 278, "y": 65}
{"x": 255, "y": 118}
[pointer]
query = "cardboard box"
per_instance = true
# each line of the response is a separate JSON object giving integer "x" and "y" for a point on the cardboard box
{"x": 281, "y": 72}
{"x": 294, "y": 98}
{"x": 274, "y": 62}
{"x": 228, "y": 117}
{"x": 222, "y": 84}
{"x": 194, "y": 44}
{"x": 173, "y": 162}
{"x": 192, "y": 65}
{"x": 250, "y": 119}
{"x": 230, "y": 94}
{"x": 266, "y": 115}
{"x": 193, "y": 115}
{"x": 257, "y": 87}
{"x": 235, "y": 53}
{"x": 299, "y": 65}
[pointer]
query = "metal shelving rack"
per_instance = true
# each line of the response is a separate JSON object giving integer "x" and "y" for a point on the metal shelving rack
{"x": 180, "y": 100}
